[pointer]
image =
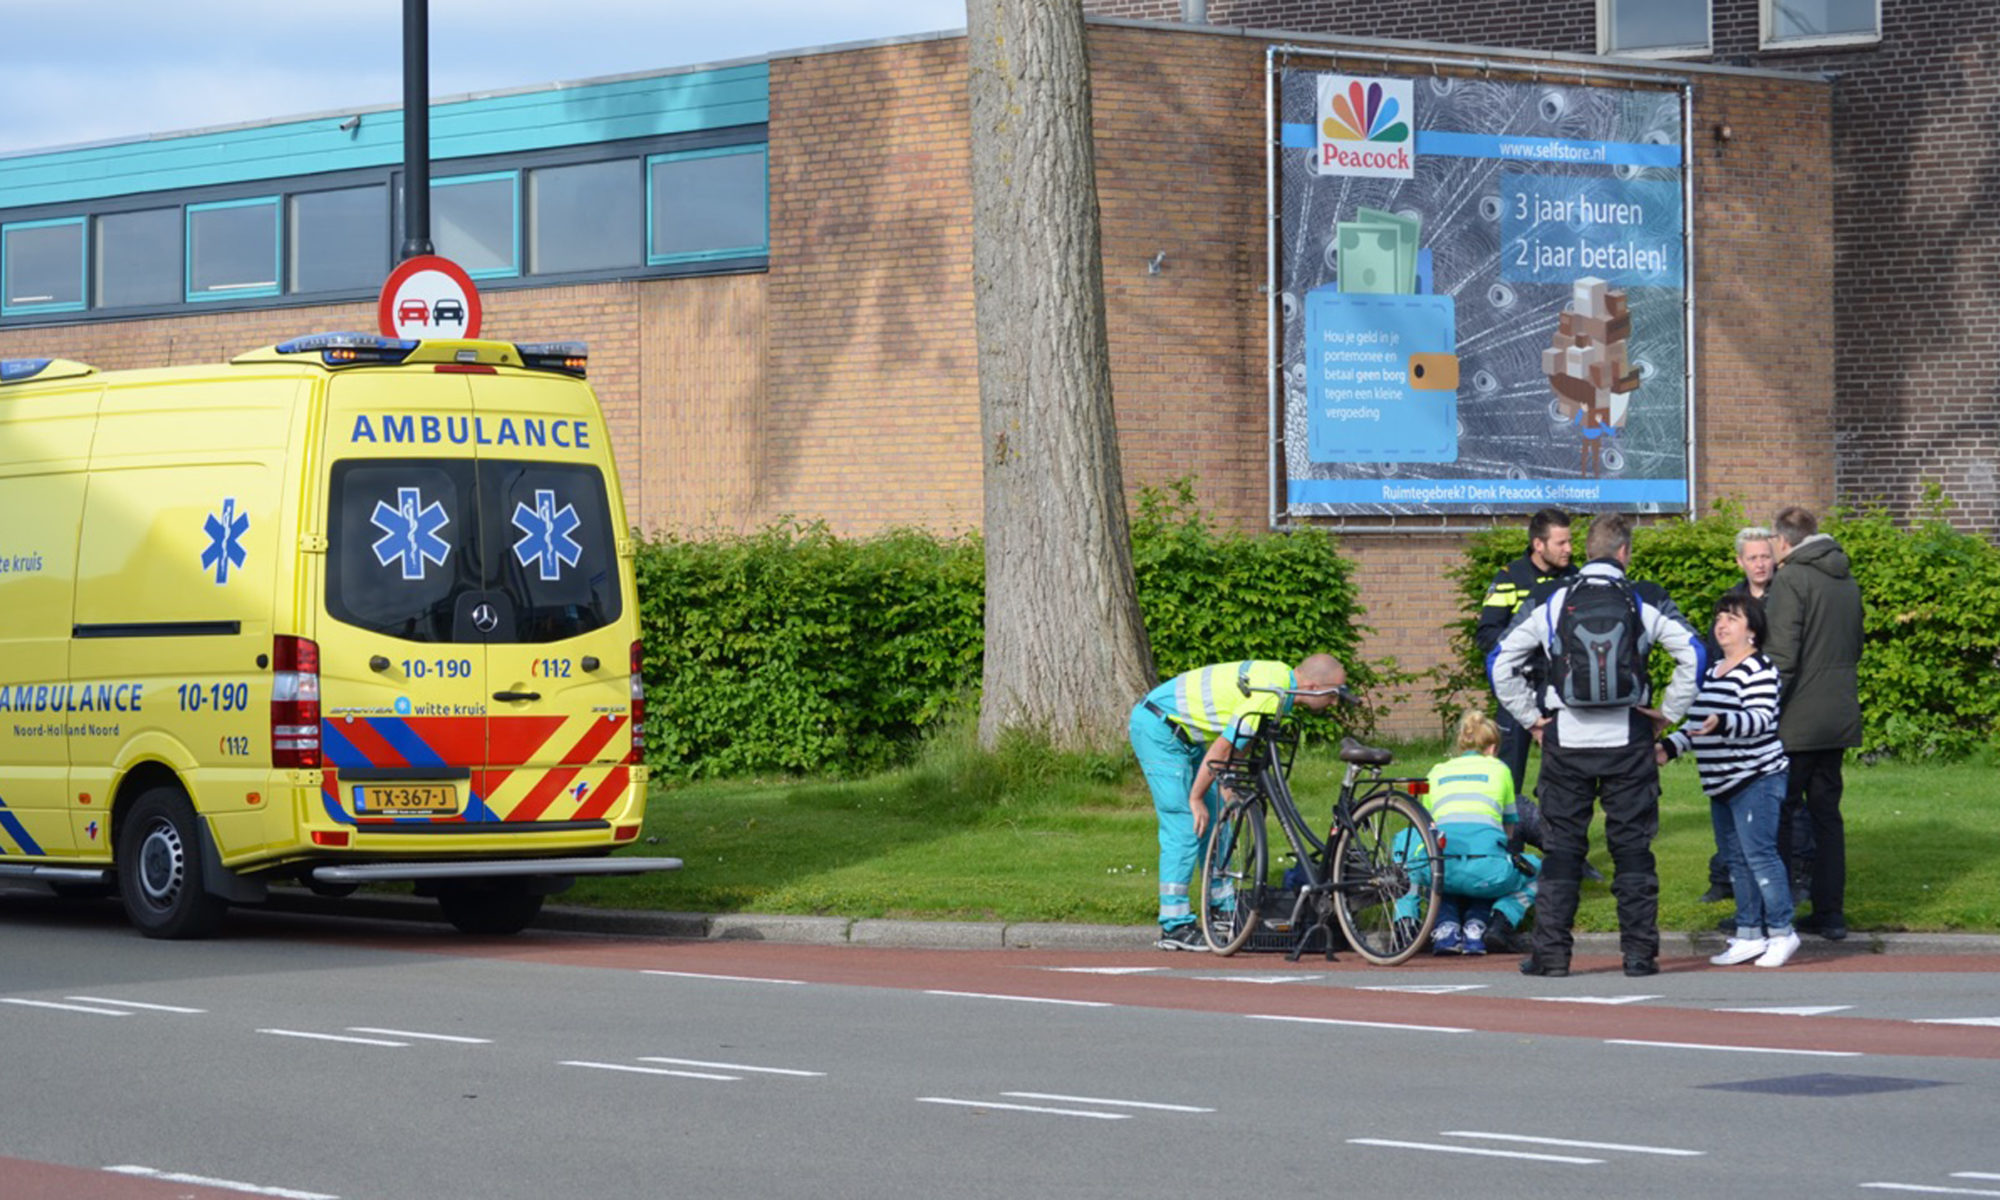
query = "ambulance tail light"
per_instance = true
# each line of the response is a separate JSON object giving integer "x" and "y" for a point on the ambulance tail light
{"x": 295, "y": 703}
{"x": 637, "y": 753}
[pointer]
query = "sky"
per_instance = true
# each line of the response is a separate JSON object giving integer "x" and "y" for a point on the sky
{"x": 77, "y": 71}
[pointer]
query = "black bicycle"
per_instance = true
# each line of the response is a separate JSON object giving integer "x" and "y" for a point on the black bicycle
{"x": 1377, "y": 871}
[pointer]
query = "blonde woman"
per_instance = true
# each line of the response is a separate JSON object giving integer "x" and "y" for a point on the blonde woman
{"x": 1487, "y": 888}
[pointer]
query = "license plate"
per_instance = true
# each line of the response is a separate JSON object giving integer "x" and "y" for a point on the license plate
{"x": 406, "y": 798}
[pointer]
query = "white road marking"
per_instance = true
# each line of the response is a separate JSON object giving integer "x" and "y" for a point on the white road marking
{"x": 726, "y": 978}
{"x": 426, "y": 1037}
{"x": 1974, "y": 1175}
{"x": 102, "y": 1012}
{"x": 570, "y": 1062}
{"x": 1479, "y": 1150}
{"x": 1183, "y": 1108}
{"x": 1253, "y": 978}
{"x": 332, "y": 1037}
{"x": 1798, "y": 1010}
{"x": 172, "y": 1008}
{"x": 1106, "y": 970}
{"x": 1357, "y": 1024}
{"x": 1422, "y": 989}
{"x": 1573, "y": 1145}
{"x": 1024, "y": 999}
{"x": 226, "y": 1184}
{"x": 1958, "y": 1020}
{"x": 1060, "y": 1112}
{"x": 1592, "y": 999}
{"x": 690, "y": 1062}
{"x": 1734, "y": 1049}
{"x": 1932, "y": 1189}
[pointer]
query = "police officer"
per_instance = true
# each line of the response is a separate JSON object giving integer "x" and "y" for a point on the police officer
{"x": 1548, "y": 558}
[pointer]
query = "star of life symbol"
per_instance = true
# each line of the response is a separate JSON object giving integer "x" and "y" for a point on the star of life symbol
{"x": 545, "y": 535}
{"x": 225, "y": 540}
{"x": 410, "y": 532}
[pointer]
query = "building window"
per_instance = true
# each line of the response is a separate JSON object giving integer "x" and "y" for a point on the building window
{"x": 1821, "y": 22}
{"x": 475, "y": 222}
{"x": 41, "y": 266}
{"x": 138, "y": 258}
{"x": 232, "y": 249}
{"x": 1654, "y": 26}
{"x": 707, "y": 204}
{"x": 508, "y": 220}
{"x": 585, "y": 217}
{"x": 339, "y": 240}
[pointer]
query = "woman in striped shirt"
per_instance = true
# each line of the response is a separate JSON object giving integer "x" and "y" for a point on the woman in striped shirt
{"x": 1733, "y": 730}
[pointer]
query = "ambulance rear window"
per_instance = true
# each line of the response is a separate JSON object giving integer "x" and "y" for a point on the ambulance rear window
{"x": 464, "y": 551}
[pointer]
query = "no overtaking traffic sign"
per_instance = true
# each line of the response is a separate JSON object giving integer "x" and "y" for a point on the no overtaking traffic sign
{"x": 428, "y": 296}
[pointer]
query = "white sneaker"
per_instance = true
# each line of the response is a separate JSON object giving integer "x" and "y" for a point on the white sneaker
{"x": 1779, "y": 950}
{"x": 1742, "y": 950}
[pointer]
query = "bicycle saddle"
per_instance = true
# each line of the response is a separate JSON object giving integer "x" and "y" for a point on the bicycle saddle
{"x": 1368, "y": 756}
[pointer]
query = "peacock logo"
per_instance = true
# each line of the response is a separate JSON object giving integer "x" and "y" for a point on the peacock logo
{"x": 1366, "y": 115}
{"x": 1364, "y": 127}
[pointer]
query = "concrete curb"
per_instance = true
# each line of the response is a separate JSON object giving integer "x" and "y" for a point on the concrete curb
{"x": 995, "y": 935}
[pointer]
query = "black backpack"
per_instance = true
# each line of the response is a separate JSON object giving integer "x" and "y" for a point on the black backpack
{"x": 1596, "y": 660}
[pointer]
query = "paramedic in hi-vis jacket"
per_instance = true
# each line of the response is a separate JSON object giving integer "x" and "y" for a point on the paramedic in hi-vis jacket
{"x": 1598, "y": 754}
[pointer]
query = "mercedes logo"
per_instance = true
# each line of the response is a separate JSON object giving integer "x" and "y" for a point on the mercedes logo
{"x": 484, "y": 618}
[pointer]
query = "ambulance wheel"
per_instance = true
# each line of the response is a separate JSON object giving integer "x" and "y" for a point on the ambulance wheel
{"x": 483, "y": 906}
{"x": 159, "y": 868}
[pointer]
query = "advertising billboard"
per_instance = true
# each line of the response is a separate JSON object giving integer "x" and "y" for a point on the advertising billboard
{"x": 1483, "y": 295}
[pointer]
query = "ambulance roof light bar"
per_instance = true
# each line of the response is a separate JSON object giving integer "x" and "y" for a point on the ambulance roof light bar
{"x": 567, "y": 357}
{"x": 14, "y": 369}
{"x": 21, "y": 370}
{"x": 343, "y": 349}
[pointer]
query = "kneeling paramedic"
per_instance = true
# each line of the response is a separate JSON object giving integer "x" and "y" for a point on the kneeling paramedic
{"x": 1487, "y": 885}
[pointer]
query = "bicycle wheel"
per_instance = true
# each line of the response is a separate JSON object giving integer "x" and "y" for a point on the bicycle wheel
{"x": 1233, "y": 879}
{"x": 1385, "y": 889}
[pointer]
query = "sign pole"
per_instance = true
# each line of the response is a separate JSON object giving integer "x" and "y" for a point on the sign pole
{"x": 416, "y": 129}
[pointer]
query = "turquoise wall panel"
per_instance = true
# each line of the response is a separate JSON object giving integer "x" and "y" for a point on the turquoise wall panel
{"x": 546, "y": 118}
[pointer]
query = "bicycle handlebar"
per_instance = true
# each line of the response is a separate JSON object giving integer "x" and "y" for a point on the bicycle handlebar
{"x": 1340, "y": 693}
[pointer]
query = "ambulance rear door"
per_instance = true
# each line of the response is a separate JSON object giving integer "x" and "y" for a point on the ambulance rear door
{"x": 404, "y": 687}
{"x": 559, "y": 660}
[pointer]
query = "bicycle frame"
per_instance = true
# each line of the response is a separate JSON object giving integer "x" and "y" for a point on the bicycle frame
{"x": 1257, "y": 777}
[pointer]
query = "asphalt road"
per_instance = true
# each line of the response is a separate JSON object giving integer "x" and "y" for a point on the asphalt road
{"x": 312, "y": 1056}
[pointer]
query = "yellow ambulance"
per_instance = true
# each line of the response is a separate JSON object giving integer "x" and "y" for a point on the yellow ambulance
{"x": 346, "y": 609}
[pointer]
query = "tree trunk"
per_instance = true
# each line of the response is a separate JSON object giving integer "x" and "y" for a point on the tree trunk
{"x": 1066, "y": 651}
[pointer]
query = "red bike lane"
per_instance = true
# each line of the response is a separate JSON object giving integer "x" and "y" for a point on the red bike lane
{"x": 1343, "y": 991}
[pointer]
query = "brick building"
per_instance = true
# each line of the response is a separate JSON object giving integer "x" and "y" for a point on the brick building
{"x": 1916, "y": 183}
{"x": 828, "y": 370}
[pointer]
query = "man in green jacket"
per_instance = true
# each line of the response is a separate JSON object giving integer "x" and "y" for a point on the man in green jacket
{"x": 1815, "y": 616}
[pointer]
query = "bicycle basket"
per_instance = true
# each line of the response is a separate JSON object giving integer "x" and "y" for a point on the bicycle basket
{"x": 1268, "y": 737}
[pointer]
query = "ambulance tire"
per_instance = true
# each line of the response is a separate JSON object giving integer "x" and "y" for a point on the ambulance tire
{"x": 159, "y": 868}
{"x": 491, "y": 907}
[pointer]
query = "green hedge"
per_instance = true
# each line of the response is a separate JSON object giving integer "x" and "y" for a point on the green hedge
{"x": 792, "y": 650}
{"x": 1928, "y": 665}
{"x": 1216, "y": 596}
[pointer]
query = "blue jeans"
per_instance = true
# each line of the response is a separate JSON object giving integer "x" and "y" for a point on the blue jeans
{"x": 1746, "y": 832}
